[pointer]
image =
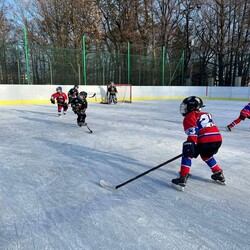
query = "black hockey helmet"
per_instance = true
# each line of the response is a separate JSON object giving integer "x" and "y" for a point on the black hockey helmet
{"x": 76, "y": 86}
{"x": 83, "y": 93}
{"x": 189, "y": 104}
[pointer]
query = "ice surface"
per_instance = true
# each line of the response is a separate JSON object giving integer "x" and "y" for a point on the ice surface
{"x": 50, "y": 196}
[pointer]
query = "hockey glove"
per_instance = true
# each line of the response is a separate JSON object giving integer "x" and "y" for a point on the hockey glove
{"x": 52, "y": 101}
{"x": 188, "y": 149}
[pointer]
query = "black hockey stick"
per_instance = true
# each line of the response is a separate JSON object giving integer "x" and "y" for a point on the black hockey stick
{"x": 89, "y": 129}
{"x": 108, "y": 186}
{"x": 92, "y": 95}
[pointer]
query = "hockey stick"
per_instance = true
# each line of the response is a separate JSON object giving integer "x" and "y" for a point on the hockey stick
{"x": 108, "y": 186}
{"x": 92, "y": 95}
{"x": 89, "y": 129}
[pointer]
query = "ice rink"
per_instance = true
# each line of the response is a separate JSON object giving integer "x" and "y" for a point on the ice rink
{"x": 50, "y": 197}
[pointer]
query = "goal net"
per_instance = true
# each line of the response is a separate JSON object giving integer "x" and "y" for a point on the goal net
{"x": 124, "y": 93}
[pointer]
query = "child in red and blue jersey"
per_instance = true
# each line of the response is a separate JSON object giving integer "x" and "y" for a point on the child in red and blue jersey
{"x": 61, "y": 99}
{"x": 203, "y": 139}
{"x": 244, "y": 113}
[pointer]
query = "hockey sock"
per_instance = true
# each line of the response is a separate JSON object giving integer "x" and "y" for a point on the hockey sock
{"x": 59, "y": 108}
{"x": 185, "y": 166}
{"x": 212, "y": 163}
{"x": 235, "y": 122}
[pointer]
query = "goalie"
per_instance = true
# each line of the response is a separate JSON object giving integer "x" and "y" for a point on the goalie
{"x": 112, "y": 91}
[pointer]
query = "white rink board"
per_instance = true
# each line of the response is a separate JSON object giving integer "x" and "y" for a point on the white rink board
{"x": 21, "y": 94}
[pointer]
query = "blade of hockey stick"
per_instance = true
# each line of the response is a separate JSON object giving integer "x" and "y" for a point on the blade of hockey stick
{"x": 89, "y": 129}
{"x": 92, "y": 95}
{"x": 107, "y": 185}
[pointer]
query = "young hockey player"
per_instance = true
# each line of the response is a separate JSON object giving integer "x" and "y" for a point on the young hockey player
{"x": 203, "y": 138}
{"x": 79, "y": 106}
{"x": 61, "y": 99}
{"x": 73, "y": 93}
{"x": 112, "y": 91}
{"x": 244, "y": 113}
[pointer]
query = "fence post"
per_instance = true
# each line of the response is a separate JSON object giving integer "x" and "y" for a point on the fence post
{"x": 84, "y": 60}
{"x": 128, "y": 63}
{"x": 163, "y": 65}
{"x": 26, "y": 56}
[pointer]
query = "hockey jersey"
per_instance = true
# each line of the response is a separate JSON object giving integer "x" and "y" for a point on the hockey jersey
{"x": 60, "y": 98}
{"x": 73, "y": 93}
{"x": 200, "y": 128}
{"x": 112, "y": 90}
{"x": 79, "y": 104}
{"x": 246, "y": 111}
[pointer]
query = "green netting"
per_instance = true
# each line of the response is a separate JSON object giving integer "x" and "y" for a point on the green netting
{"x": 47, "y": 65}
{"x": 11, "y": 64}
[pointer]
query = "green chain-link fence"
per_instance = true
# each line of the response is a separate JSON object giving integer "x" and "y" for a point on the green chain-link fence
{"x": 34, "y": 64}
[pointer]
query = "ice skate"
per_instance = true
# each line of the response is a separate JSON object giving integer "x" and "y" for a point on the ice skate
{"x": 219, "y": 177}
{"x": 180, "y": 183}
{"x": 228, "y": 128}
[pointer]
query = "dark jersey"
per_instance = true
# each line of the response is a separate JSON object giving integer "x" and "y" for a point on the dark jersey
{"x": 79, "y": 105}
{"x": 112, "y": 90}
{"x": 73, "y": 93}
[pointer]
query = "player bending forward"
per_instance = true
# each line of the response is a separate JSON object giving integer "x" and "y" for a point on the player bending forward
{"x": 244, "y": 113}
{"x": 61, "y": 99}
{"x": 79, "y": 106}
{"x": 203, "y": 139}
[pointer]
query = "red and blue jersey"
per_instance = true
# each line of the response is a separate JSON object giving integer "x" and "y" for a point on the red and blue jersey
{"x": 60, "y": 97}
{"x": 200, "y": 128}
{"x": 245, "y": 111}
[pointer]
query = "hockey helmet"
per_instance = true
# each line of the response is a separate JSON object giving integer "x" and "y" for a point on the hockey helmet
{"x": 59, "y": 89}
{"x": 76, "y": 86}
{"x": 83, "y": 94}
{"x": 189, "y": 104}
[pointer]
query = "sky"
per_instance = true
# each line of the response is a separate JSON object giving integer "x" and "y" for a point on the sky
{"x": 50, "y": 197}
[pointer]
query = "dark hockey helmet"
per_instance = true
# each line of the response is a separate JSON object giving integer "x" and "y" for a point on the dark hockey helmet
{"x": 83, "y": 94}
{"x": 59, "y": 89}
{"x": 189, "y": 104}
{"x": 76, "y": 86}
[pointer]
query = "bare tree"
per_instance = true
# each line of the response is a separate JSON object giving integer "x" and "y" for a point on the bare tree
{"x": 213, "y": 33}
{"x": 61, "y": 23}
{"x": 226, "y": 24}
